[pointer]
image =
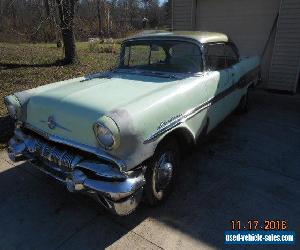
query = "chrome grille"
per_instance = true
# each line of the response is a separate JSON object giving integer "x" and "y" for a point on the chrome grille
{"x": 67, "y": 160}
{"x": 51, "y": 153}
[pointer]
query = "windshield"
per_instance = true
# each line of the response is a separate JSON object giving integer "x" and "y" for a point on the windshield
{"x": 161, "y": 55}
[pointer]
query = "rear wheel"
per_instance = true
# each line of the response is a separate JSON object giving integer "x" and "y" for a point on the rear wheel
{"x": 161, "y": 172}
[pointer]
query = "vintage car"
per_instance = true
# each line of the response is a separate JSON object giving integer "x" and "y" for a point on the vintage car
{"x": 119, "y": 135}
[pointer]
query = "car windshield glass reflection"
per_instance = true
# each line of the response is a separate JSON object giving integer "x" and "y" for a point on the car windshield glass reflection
{"x": 165, "y": 56}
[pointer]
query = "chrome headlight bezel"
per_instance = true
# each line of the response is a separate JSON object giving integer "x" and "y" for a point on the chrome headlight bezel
{"x": 107, "y": 133}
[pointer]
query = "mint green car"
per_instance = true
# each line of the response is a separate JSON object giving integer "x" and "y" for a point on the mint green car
{"x": 119, "y": 135}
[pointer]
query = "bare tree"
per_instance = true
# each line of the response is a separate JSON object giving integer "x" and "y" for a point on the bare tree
{"x": 99, "y": 16}
{"x": 49, "y": 20}
{"x": 66, "y": 10}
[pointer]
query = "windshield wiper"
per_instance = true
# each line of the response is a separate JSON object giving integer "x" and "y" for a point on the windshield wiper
{"x": 145, "y": 72}
{"x": 97, "y": 75}
{"x": 160, "y": 74}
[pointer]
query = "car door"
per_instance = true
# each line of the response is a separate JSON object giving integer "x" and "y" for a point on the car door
{"x": 218, "y": 83}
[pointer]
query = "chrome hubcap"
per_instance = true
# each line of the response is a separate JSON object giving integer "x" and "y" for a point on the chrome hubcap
{"x": 162, "y": 174}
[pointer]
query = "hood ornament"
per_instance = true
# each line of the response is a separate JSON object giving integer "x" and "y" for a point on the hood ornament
{"x": 52, "y": 124}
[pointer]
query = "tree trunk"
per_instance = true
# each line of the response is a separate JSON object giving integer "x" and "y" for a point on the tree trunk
{"x": 69, "y": 46}
{"x": 1, "y": 15}
{"x": 99, "y": 16}
{"x": 66, "y": 9}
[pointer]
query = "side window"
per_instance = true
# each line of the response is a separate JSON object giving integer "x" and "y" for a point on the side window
{"x": 215, "y": 56}
{"x": 139, "y": 55}
{"x": 231, "y": 55}
{"x": 158, "y": 54}
{"x": 186, "y": 56}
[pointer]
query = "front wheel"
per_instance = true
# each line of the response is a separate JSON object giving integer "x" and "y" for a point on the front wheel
{"x": 161, "y": 172}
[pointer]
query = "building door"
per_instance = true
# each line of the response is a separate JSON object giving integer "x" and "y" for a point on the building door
{"x": 248, "y": 23}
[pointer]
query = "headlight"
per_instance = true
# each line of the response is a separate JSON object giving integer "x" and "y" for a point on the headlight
{"x": 107, "y": 133}
{"x": 104, "y": 135}
{"x": 13, "y": 106}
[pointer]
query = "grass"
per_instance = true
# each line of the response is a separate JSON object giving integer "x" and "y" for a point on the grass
{"x": 26, "y": 66}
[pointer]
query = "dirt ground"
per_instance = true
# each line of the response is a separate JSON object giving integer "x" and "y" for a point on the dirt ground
{"x": 26, "y": 66}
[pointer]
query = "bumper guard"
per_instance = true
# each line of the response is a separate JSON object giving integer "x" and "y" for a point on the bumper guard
{"x": 117, "y": 191}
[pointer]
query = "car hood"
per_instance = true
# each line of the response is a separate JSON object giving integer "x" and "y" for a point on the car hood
{"x": 77, "y": 104}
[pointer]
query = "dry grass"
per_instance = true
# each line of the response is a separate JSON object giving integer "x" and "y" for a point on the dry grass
{"x": 25, "y": 66}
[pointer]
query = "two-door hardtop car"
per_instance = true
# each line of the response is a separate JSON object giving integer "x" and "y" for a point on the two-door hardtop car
{"x": 119, "y": 135}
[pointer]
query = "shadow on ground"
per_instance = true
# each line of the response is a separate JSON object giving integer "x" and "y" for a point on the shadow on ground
{"x": 6, "y": 130}
{"x": 5, "y": 66}
{"x": 248, "y": 169}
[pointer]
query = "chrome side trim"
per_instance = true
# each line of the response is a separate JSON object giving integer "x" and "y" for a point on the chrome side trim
{"x": 96, "y": 151}
{"x": 244, "y": 81}
{"x": 176, "y": 120}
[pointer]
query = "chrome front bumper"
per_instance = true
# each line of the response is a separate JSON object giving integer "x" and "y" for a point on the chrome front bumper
{"x": 118, "y": 191}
